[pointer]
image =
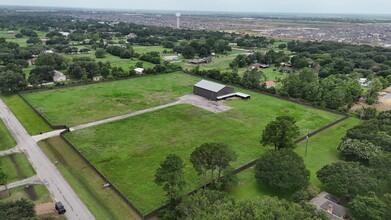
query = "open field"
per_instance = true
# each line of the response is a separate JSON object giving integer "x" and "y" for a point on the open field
{"x": 104, "y": 203}
{"x": 20, "y": 41}
{"x": 26, "y": 115}
{"x": 6, "y": 140}
{"x": 115, "y": 61}
{"x": 145, "y": 49}
{"x": 322, "y": 150}
{"x": 78, "y": 105}
{"x": 17, "y": 167}
{"x": 130, "y": 156}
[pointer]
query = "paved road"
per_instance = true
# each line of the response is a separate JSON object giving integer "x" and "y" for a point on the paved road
{"x": 46, "y": 171}
{"x": 10, "y": 151}
{"x": 47, "y": 135}
{"x": 29, "y": 181}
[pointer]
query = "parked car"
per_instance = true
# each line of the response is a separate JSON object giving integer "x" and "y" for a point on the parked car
{"x": 60, "y": 208}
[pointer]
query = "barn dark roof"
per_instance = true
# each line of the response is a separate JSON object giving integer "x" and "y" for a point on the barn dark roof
{"x": 208, "y": 85}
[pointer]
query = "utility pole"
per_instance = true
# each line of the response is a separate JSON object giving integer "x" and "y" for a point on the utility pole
{"x": 306, "y": 144}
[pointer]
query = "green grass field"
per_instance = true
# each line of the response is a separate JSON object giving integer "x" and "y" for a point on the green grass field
{"x": 78, "y": 105}
{"x": 145, "y": 49}
{"x": 16, "y": 166}
{"x": 103, "y": 203}
{"x": 114, "y": 60}
{"x": 26, "y": 115}
{"x": 6, "y": 139}
{"x": 20, "y": 41}
{"x": 130, "y": 156}
{"x": 322, "y": 150}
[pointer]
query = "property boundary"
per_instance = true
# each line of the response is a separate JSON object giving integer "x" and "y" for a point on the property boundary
{"x": 252, "y": 163}
{"x": 236, "y": 171}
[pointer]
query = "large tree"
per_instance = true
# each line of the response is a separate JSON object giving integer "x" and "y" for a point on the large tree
{"x": 217, "y": 205}
{"x": 20, "y": 209}
{"x": 170, "y": 175}
{"x": 282, "y": 170}
{"x": 280, "y": 133}
{"x": 212, "y": 156}
{"x": 369, "y": 207}
{"x": 11, "y": 82}
{"x": 358, "y": 150}
{"x": 348, "y": 179}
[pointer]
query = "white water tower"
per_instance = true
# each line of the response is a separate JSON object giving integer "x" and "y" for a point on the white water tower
{"x": 178, "y": 15}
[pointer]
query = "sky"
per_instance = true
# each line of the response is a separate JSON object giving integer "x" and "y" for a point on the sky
{"x": 272, "y": 6}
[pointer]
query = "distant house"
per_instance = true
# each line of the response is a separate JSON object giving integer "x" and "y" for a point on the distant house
{"x": 43, "y": 40}
{"x": 139, "y": 71}
{"x": 330, "y": 204}
{"x": 49, "y": 51}
{"x": 10, "y": 32}
{"x": 59, "y": 76}
{"x": 131, "y": 36}
{"x": 215, "y": 91}
{"x": 364, "y": 82}
{"x": 258, "y": 66}
{"x": 200, "y": 61}
{"x": 286, "y": 64}
{"x": 170, "y": 58}
{"x": 65, "y": 34}
{"x": 97, "y": 78}
{"x": 31, "y": 61}
{"x": 270, "y": 84}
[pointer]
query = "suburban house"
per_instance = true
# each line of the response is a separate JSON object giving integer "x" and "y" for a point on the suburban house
{"x": 215, "y": 91}
{"x": 270, "y": 84}
{"x": 139, "y": 70}
{"x": 330, "y": 204}
{"x": 170, "y": 58}
{"x": 59, "y": 76}
{"x": 49, "y": 51}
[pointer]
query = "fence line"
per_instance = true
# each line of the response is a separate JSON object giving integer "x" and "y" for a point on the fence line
{"x": 41, "y": 115}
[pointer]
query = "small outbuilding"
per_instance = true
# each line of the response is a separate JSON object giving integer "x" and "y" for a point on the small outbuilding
{"x": 59, "y": 76}
{"x": 139, "y": 71}
{"x": 170, "y": 58}
{"x": 211, "y": 90}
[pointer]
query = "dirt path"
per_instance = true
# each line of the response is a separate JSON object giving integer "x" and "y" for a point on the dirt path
{"x": 46, "y": 171}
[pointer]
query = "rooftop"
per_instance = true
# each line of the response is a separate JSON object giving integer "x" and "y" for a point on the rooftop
{"x": 208, "y": 85}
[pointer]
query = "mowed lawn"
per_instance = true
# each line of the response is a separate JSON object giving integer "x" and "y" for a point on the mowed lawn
{"x": 26, "y": 115}
{"x": 129, "y": 151}
{"x": 6, "y": 140}
{"x": 16, "y": 166}
{"x": 78, "y": 105}
{"x": 322, "y": 150}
